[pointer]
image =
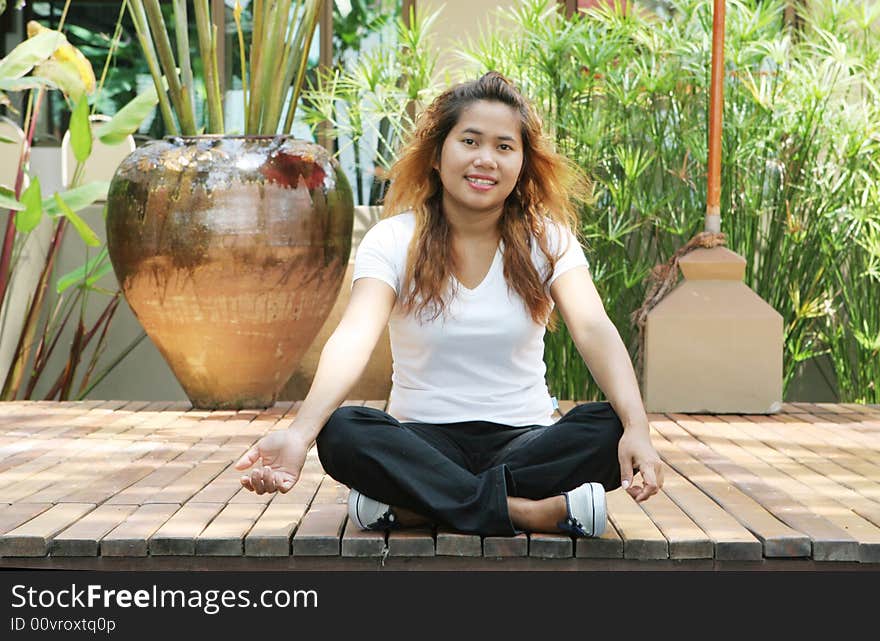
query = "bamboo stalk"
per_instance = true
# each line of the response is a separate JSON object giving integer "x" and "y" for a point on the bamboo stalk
{"x": 263, "y": 72}
{"x": 181, "y": 33}
{"x": 218, "y": 99}
{"x": 312, "y": 21}
{"x": 245, "y": 76}
{"x": 203, "y": 25}
{"x": 142, "y": 30}
{"x": 166, "y": 59}
{"x": 277, "y": 91}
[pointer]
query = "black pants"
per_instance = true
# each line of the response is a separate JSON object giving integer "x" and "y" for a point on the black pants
{"x": 460, "y": 474}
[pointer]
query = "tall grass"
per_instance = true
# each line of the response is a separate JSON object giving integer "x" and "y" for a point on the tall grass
{"x": 625, "y": 94}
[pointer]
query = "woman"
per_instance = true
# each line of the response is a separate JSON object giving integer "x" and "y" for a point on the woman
{"x": 466, "y": 271}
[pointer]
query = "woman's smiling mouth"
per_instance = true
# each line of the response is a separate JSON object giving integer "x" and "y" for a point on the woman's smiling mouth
{"x": 480, "y": 184}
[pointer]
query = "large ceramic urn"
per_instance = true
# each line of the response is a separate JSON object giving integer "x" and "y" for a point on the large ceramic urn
{"x": 230, "y": 250}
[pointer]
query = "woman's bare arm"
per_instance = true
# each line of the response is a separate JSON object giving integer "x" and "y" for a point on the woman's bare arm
{"x": 346, "y": 353}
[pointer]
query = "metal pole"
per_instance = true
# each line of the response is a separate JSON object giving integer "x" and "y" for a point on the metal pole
{"x": 716, "y": 107}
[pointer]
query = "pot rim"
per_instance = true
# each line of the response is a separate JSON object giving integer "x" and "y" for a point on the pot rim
{"x": 227, "y": 136}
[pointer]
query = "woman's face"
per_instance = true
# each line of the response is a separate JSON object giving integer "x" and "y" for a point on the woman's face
{"x": 481, "y": 158}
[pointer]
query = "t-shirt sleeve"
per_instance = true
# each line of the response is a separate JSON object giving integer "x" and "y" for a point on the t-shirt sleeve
{"x": 376, "y": 256}
{"x": 563, "y": 239}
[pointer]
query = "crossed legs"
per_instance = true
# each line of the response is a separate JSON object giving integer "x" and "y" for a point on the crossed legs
{"x": 478, "y": 476}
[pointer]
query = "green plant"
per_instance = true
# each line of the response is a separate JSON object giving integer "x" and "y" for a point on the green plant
{"x": 275, "y": 63}
{"x": 625, "y": 94}
{"x": 373, "y": 99}
{"x": 47, "y": 62}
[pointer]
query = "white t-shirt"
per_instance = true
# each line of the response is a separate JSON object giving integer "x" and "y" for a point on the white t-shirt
{"x": 483, "y": 359}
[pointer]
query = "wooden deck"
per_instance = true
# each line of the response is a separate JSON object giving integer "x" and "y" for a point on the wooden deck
{"x": 136, "y": 485}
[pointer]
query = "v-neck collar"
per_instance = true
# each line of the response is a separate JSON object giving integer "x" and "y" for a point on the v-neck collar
{"x": 496, "y": 259}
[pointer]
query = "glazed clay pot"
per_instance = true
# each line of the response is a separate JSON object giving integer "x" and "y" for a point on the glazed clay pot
{"x": 230, "y": 250}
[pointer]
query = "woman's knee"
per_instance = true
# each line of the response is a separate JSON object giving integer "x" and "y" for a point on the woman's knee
{"x": 348, "y": 426}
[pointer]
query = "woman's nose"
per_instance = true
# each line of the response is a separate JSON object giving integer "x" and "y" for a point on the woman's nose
{"x": 484, "y": 160}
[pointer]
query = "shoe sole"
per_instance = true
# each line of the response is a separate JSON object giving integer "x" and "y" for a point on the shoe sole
{"x": 354, "y": 511}
{"x": 600, "y": 512}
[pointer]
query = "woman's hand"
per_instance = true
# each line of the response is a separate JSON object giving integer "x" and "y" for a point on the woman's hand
{"x": 283, "y": 454}
{"x": 635, "y": 450}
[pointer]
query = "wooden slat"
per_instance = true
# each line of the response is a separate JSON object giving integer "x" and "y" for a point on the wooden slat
{"x": 225, "y": 535}
{"x": 362, "y": 543}
{"x": 641, "y": 538}
{"x": 130, "y": 538}
{"x": 831, "y": 541}
{"x": 188, "y": 484}
{"x": 270, "y": 535}
{"x": 415, "y": 541}
{"x": 823, "y": 495}
{"x": 550, "y": 546}
{"x": 11, "y": 516}
{"x": 177, "y": 536}
{"x": 782, "y": 506}
{"x": 452, "y": 543}
{"x": 137, "y": 493}
{"x": 34, "y": 537}
{"x": 81, "y": 538}
{"x": 506, "y": 546}
{"x": 321, "y": 528}
{"x": 731, "y": 541}
{"x": 778, "y": 539}
{"x": 685, "y": 538}
{"x": 607, "y": 546}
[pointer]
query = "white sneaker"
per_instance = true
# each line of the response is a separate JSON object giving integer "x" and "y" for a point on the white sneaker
{"x": 586, "y": 511}
{"x": 369, "y": 514}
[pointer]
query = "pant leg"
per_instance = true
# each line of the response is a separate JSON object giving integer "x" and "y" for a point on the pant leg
{"x": 417, "y": 467}
{"x": 579, "y": 447}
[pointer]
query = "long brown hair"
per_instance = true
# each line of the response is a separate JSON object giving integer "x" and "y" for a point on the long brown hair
{"x": 547, "y": 185}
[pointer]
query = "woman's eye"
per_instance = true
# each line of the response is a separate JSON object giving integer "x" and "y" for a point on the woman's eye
{"x": 507, "y": 146}
{"x": 468, "y": 141}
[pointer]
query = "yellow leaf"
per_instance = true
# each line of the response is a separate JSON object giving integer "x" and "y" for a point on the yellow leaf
{"x": 69, "y": 57}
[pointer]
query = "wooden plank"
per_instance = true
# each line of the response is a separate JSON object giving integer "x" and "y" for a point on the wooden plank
{"x": 130, "y": 538}
{"x": 414, "y": 541}
{"x": 452, "y": 543}
{"x": 852, "y": 456}
{"x": 777, "y": 538}
{"x": 782, "y": 506}
{"x": 836, "y": 463}
{"x": 270, "y": 535}
{"x": 362, "y": 543}
{"x": 34, "y": 537}
{"x": 11, "y": 516}
{"x": 81, "y": 538}
{"x": 550, "y": 546}
{"x": 641, "y": 538}
{"x": 731, "y": 541}
{"x": 836, "y": 502}
{"x": 831, "y": 541}
{"x": 607, "y": 546}
{"x": 160, "y": 478}
{"x": 321, "y": 528}
{"x": 223, "y": 487}
{"x": 188, "y": 484}
{"x": 177, "y": 536}
{"x": 506, "y": 546}
{"x": 319, "y": 531}
{"x": 225, "y": 535}
{"x": 686, "y": 539}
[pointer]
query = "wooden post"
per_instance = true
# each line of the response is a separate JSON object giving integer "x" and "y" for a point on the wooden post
{"x": 716, "y": 108}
